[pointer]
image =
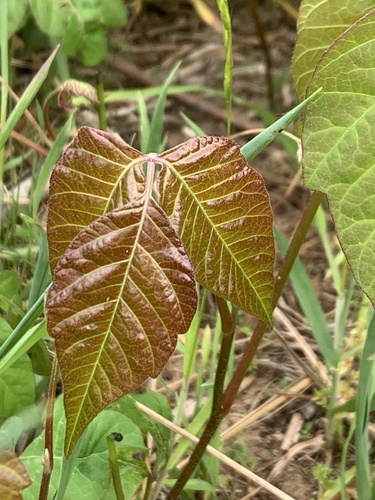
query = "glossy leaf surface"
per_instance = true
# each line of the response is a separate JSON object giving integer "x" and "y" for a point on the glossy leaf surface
{"x": 220, "y": 208}
{"x": 122, "y": 292}
{"x": 96, "y": 174}
{"x": 339, "y": 144}
{"x": 320, "y": 22}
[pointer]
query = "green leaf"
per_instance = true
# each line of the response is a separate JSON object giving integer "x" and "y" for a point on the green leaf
{"x": 339, "y": 147}
{"x": 91, "y": 473}
{"x": 110, "y": 13}
{"x": 122, "y": 292}
{"x": 17, "y": 385}
{"x": 93, "y": 46}
{"x": 72, "y": 36}
{"x": 16, "y": 15}
{"x": 97, "y": 173}
{"x": 157, "y": 402}
{"x": 220, "y": 208}
{"x": 319, "y": 24}
{"x": 17, "y": 425}
{"x": 52, "y": 16}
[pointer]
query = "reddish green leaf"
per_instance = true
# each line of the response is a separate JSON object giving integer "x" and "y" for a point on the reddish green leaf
{"x": 13, "y": 476}
{"x": 122, "y": 292}
{"x": 220, "y": 208}
{"x": 96, "y": 174}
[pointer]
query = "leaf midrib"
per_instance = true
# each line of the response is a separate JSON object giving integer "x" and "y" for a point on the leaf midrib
{"x": 183, "y": 183}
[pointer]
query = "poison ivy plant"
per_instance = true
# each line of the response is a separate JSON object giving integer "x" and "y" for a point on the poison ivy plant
{"x": 13, "y": 476}
{"x": 339, "y": 145}
{"x": 125, "y": 257}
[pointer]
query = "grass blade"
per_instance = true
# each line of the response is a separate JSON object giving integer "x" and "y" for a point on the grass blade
{"x": 26, "y": 99}
{"x": 252, "y": 148}
{"x": 23, "y": 326}
{"x": 156, "y": 125}
{"x": 228, "y": 70}
{"x": 365, "y": 392}
{"x": 23, "y": 345}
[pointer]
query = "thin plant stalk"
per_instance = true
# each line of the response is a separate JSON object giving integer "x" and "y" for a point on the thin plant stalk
{"x": 224, "y": 400}
{"x": 228, "y": 71}
{"x": 115, "y": 469}
{"x": 228, "y": 329}
{"x": 48, "y": 439}
{"x": 101, "y": 101}
{"x": 341, "y": 315}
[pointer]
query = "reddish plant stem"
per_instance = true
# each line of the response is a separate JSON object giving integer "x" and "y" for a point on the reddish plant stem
{"x": 228, "y": 324}
{"x": 221, "y": 406}
{"x": 282, "y": 277}
{"x": 48, "y": 440}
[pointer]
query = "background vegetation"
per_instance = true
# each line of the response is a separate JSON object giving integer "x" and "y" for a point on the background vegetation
{"x": 294, "y": 421}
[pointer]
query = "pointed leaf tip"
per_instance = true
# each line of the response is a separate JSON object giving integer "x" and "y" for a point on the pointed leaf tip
{"x": 123, "y": 291}
{"x": 97, "y": 173}
{"x": 220, "y": 208}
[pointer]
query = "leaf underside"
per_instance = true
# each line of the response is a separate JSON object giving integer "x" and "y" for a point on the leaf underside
{"x": 122, "y": 292}
{"x": 339, "y": 144}
{"x": 220, "y": 208}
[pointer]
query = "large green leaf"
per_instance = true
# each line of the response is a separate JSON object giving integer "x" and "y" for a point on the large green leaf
{"x": 122, "y": 292}
{"x": 91, "y": 477}
{"x": 160, "y": 404}
{"x": 96, "y": 174}
{"x": 320, "y": 22}
{"x": 220, "y": 208}
{"x": 339, "y": 144}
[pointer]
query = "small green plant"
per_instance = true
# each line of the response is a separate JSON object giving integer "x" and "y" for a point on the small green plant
{"x": 79, "y": 25}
